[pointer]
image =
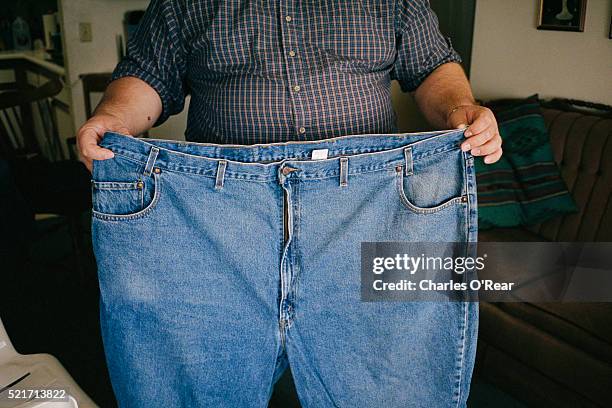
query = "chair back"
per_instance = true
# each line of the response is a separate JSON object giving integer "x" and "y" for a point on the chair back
{"x": 93, "y": 83}
{"x": 17, "y": 131}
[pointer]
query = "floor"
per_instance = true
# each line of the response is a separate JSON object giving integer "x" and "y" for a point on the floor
{"x": 46, "y": 306}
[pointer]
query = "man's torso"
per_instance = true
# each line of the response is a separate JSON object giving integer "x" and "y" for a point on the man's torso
{"x": 268, "y": 71}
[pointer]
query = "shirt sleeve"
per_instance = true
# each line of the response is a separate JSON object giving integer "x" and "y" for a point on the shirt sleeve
{"x": 156, "y": 54}
{"x": 421, "y": 47}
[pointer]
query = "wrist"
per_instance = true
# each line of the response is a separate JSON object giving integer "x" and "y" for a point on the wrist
{"x": 458, "y": 106}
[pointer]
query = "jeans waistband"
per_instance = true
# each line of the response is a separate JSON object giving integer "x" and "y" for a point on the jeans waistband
{"x": 344, "y": 155}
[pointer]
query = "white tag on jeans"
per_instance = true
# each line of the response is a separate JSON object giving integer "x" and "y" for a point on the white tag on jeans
{"x": 319, "y": 154}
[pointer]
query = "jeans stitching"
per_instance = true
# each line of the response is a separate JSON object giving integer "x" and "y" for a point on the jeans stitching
{"x": 470, "y": 192}
{"x": 296, "y": 255}
{"x": 458, "y": 390}
{"x": 115, "y": 185}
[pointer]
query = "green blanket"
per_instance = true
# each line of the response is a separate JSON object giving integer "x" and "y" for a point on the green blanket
{"x": 524, "y": 187}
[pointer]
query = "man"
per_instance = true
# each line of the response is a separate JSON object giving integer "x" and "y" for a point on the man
{"x": 263, "y": 73}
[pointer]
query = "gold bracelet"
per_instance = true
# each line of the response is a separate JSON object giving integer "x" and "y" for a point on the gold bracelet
{"x": 456, "y": 108}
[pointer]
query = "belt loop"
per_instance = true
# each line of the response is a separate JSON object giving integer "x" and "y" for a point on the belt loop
{"x": 408, "y": 159}
{"x": 151, "y": 161}
{"x": 220, "y": 174}
{"x": 343, "y": 171}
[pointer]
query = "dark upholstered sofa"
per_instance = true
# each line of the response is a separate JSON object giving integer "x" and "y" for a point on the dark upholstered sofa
{"x": 559, "y": 354}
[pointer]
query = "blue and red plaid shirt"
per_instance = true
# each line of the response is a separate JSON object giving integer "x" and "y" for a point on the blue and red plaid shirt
{"x": 263, "y": 71}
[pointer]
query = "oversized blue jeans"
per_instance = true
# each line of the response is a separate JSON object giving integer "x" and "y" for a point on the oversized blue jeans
{"x": 220, "y": 265}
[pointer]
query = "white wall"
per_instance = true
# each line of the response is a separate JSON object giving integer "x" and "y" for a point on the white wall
{"x": 100, "y": 55}
{"x": 511, "y": 58}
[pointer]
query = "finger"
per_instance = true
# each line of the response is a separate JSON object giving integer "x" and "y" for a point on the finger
{"x": 492, "y": 158}
{"x": 478, "y": 140}
{"x": 482, "y": 122}
{"x": 488, "y": 148}
{"x": 91, "y": 151}
{"x": 88, "y": 146}
{"x": 458, "y": 120}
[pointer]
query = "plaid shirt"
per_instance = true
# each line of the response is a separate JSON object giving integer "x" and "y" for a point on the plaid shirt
{"x": 264, "y": 71}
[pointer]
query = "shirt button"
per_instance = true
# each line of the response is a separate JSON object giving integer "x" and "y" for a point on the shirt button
{"x": 302, "y": 130}
{"x": 288, "y": 19}
{"x": 292, "y": 53}
{"x": 296, "y": 88}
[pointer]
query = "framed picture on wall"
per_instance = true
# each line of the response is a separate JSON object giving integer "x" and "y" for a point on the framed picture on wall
{"x": 563, "y": 15}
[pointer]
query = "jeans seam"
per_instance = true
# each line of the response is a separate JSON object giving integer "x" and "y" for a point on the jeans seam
{"x": 115, "y": 185}
{"x": 458, "y": 390}
{"x": 470, "y": 192}
{"x": 296, "y": 255}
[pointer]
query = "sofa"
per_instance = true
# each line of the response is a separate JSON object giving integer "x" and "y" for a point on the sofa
{"x": 559, "y": 354}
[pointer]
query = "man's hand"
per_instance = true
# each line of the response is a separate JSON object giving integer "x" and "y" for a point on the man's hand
{"x": 90, "y": 135}
{"x": 129, "y": 106}
{"x": 445, "y": 98}
{"x": 483, "y": 137}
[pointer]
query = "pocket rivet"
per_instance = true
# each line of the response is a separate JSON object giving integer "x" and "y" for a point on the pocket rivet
{"x": 157, "y": 170}
{"x": 140, "y": 184}
{"x": 464, "y": 199}
{"x": 398, "y": 169}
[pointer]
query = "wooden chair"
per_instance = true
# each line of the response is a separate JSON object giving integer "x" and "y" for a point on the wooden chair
{"x": 18, "y": 138}
{"x": 93, "y": 83}
{"x": 48, "y": 183}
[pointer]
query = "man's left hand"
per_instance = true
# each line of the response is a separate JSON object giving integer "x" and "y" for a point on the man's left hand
{"x": 483, "y": 137}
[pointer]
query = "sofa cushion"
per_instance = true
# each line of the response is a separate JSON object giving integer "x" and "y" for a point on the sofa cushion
{"x": 509, "y": 235}
{"x": 572, "y": 367}
{"x": 524, "y": 187}
{"x": 585, "y": 326}
{"x": 582, "y": 146}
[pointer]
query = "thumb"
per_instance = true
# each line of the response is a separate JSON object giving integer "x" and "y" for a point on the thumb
{"x": 458, "y": 119}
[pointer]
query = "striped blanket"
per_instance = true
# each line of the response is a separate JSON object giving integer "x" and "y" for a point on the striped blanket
{"x": 525, "y": 186}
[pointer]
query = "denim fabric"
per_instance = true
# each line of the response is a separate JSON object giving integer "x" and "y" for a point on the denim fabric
{"x": 210, "y": 288}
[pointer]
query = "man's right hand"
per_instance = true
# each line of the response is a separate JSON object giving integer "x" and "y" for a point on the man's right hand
{"x": 90, "y": 135}
{"x": 128, "y": 103}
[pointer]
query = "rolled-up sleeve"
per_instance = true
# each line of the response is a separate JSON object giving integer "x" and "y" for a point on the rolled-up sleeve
{"x": 156, "y": 55}
{"x": 421, "y": 47}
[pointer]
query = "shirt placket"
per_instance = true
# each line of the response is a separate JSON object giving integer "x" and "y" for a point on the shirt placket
{"x": 290, "y": 37}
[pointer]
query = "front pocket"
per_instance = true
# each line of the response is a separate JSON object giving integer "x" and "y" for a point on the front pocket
{"x": 120, "y": 190}
{"x": 116, "y": 201}
{"x": 116, "y": 197}
{"x": 437, "y": 204}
